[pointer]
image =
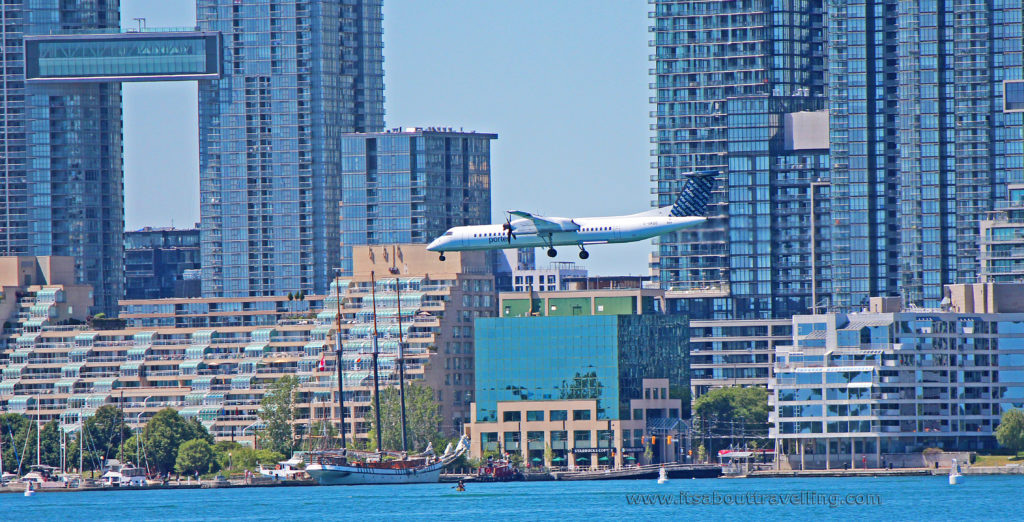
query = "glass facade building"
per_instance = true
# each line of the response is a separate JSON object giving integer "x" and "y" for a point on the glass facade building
{"x": 875, "y": 383}
{"x": 297, "y": 74}
{"x": 705, "y": 53}
{"x": 603, "y": 357}
{"x": 60, "y": 152}
{"x": 411, "y": 186}
{"x": 155, "y": 262}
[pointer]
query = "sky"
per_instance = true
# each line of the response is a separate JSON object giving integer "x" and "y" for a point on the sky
{"x": 563, "y": 83}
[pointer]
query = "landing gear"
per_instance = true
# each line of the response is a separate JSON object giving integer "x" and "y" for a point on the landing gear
{"x": 442, "y": 256}
{"x": 583, "y": 253}
{"x": 552, "y": 252}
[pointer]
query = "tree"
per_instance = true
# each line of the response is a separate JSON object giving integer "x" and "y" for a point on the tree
{"x": 195, "y": 455}
{"x": 14, "y": 431}
{"x": 1010, "y": 432}
{"x": 50, "y": 443}
{"x": 702, "y": 453}
{"x": 277, "y": 410}
{"x": 422, "y": 418}
{"x": 165, "y": 432}
{"x": 105, "y": 431}
{"x": 734, "y": 411}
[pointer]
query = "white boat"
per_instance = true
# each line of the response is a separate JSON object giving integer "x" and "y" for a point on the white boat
{"x": 28, "y": 489}
{"x": 954, "y": 473}
{"x": 662, "y": 475}
{"x": 284, "y": 470}
{"x": 122, "y": 475}
{"x": 331, "y": 468}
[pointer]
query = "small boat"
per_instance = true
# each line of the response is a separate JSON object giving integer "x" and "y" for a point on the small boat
{"x": 954, "y": 473}
{"x": 662, "y": 475}
{"x": 123, "y": 475}
{"x": 284, "y": 470}
{"x": 498, "y": 471}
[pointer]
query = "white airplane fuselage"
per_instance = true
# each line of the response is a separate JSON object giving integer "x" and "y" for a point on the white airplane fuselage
{"x": 590, "y": 231}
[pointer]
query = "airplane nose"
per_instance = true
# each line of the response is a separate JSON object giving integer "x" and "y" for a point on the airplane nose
{"x": 434, "y": 244}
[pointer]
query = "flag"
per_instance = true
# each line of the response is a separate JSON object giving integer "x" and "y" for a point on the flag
{"x": 323, "y": 363}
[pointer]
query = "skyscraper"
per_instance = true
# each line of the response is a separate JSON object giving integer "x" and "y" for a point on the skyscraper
{"x": 410, "y": 185}
{"x": 297, "y": 74}
{"x": 60, "y": 152}
{"x": 707, "y": 54}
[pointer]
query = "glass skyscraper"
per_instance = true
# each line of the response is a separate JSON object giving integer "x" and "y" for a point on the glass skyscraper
{"x": 297, "y": 74}
{"x": 409, "y": 186}
{"x": 707, "y": 52}
{"x": 60, "y": 152}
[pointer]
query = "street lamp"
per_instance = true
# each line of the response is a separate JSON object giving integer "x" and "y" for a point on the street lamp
{"x": 253, "y": 433}
{"x": 138, "y": 431}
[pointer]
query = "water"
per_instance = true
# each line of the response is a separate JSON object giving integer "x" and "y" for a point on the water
{"x": 902, "y": 498}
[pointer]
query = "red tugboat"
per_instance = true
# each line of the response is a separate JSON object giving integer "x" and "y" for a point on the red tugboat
{"x": 498, "y": 471}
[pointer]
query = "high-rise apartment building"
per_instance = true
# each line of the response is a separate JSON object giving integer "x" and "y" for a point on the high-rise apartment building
{"x": 707, "y": 54}
{"x": 297, "y": 74}
{"x": 410, "y": 185}
{"x": 60, "y": 151}
{"x": 156, "y": 261}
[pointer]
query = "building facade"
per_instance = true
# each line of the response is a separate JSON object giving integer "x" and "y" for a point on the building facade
{"x": 218, "y": 373}
{"x": 60, "y": 152}
{"x": 599, "y": 362}
{"x": 892, "y": 381}
{"x": 1002, "y": 240}
{"x": 411, "y": 185}
{"x": 706, "y": 52}
{"x": 550, "y": 279}
{"x": 734, "y": 352}
{"x": 156, "y": 260}
{"x": 296, "y": 75}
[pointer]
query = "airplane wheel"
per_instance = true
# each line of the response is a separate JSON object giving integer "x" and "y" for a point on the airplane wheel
{"x": 442, "y": 257}
{"x": 552, "y": 252}
{"x": 584, "y": 254}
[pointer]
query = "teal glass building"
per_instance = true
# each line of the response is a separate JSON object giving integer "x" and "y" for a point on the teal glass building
{"x": 411, "y": 185}
{"x": 603, "y": 357}
{"x": 297, "y": 74}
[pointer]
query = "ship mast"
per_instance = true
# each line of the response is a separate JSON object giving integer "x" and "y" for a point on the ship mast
{"x": 376, "y": 381}
{"x": 341, "y": 386}
{"x": 401, "y": 363}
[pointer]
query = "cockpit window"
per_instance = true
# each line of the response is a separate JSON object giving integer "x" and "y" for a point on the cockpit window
{"x": 448, "y": 233}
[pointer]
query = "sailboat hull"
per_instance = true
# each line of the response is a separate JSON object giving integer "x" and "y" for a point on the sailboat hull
{"x": 332, "y": 475}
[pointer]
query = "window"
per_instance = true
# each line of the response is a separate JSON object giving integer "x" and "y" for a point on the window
{"x": 638, "y": 414}
{"x": 558, "y": 415}
{"x": 511, "y": 416}
{"x": 1013, "y": 96}
{"x": 581, "y": 438}
{"x": 578, "y": 415}
{"x": 535, "y": 415}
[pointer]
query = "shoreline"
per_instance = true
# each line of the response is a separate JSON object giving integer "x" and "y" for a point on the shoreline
{"x": 447, "y": 478}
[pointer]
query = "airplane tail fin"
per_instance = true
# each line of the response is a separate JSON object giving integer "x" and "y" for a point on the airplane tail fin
{"x": 693, "y": 199}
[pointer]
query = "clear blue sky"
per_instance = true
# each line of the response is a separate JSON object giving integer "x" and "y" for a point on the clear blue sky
{"x": 563, "y": 83}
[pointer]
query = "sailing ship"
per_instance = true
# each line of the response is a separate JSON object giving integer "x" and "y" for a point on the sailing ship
{"x": 350, "y": 467}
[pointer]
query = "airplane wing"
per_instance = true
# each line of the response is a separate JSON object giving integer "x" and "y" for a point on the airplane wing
{"x": 545, "y": 224}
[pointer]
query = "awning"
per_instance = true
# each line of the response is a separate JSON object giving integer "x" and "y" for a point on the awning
{"x": 67, "y": 383}
{"x": 191, "y": 365}
{"x": 197, "y": 352}
{"x": 241, "y": 381}
{"x": 13, "y": 371}
{"x": 857, "y": 323}
{"x": 138, "y": 352}
{"x": 814, "y": 334}
{"x": 360, "y": 330}
{"x": 104, "y": 385}
{"x": 72, "y": 368}
{"x": 326, "y": 316}
{"x": 338, "y": 286}
{"x": 7, "y": 386}
{"x": 189, "y": 412}
{"x": 41, "y": 310}
{"x": 33, "y": 323}
{"x": 257, "y": 349}
{"x": 81, "y": 351}
{"x": 321, "y": 331}
{"x": 355, "y": 378}
{"x": 27, "y": 339}
{"x": 95, "y": 401}
{"x": 86, "y": 337}
{"x": 214, "y": 397}
{"x": 130, "y": 365}
{"x": 194, "y": 397}
{"x": 143, "y": 338}
{"x": 203, "y": 336}
{"x": 262, "y": 335}
{"x": 47, "y": 295}
{"x": 202, "y": 382}
{"x": 20, "y": 402}
{"x": 315, "y": 347}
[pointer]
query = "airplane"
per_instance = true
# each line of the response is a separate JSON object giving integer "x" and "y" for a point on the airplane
{"x": 532, "y": 230}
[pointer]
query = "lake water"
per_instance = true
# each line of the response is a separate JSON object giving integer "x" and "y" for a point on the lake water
{"x": 980, "y": 498}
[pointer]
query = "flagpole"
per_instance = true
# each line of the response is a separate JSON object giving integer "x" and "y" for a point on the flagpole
{"x": 341, "y": 386}
{"x": 376, "y": 381}
{"x": 401, "y": 363}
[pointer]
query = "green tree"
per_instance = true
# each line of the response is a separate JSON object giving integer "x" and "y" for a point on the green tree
{"x": 277, "y": 410}
{"x": 165, "y": 432}
{"x": 734, "y": 410}
{"x": 50, "y": 443}
{"x": 1010, "y": 432}
{"x": 194, "y": 455}
{"x": 422, "y": 418}
{"x": 105, "y": 431}
{"x": 702, "y": 453}
{"x": 15, "y": 430}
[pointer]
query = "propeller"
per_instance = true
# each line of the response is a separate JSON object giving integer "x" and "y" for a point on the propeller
{"x": 507, "y": 225}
